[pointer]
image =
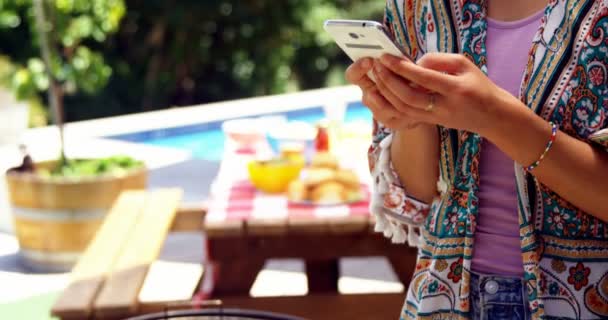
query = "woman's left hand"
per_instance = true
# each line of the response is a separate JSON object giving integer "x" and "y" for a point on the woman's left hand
{"x": 462, "y": 96}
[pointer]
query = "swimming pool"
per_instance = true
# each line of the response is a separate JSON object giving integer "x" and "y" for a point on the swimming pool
{"x": 206, "y": 140}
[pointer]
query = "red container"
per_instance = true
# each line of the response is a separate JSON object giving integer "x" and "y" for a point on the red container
{"x": 322, "y": 138}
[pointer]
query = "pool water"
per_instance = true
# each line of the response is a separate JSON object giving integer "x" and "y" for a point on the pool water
{"x": 206, "y": 140}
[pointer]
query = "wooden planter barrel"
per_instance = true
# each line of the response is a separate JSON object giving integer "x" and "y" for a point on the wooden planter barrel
{"x": 55, "y": 218}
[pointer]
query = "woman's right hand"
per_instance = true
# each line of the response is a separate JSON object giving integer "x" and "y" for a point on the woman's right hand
{"x": 418, "y": 171}
{"x": 381, "y": 106}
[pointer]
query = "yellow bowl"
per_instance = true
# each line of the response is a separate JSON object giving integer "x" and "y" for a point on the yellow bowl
{"x": 274, "y": 176}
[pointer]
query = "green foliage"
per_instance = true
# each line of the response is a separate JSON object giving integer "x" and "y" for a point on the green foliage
{"x": 23, "y": 81}
{"x": 165, "y": 53}
{"x": 78, "y": 168}
{"x": 10, "y": 75}
{"x": 176, "y": 53}
{"x": 75, "y": 26}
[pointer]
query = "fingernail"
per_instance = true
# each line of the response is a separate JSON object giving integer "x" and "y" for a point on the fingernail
{"x": 366, "y": 63}
{"x": 377, "y": 66}
{"x": 388, "y": 59}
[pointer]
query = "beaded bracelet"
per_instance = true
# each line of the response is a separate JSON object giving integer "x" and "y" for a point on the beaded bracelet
{"x": 547, "y": 148}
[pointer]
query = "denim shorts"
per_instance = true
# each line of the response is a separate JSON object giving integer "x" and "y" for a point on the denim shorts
{"x": 498, "y": 298}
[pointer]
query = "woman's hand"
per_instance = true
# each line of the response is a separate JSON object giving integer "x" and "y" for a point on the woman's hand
{"x": 466, "y": 99}
{"x": 462, "y": 96}
{"x": 380, "y": 105}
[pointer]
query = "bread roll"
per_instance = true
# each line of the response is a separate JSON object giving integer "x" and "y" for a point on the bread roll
{"x": 297, "y": 191}
{"x": 324, "y": 160}
{"x": 328, "y": 193}
{"x": 317, "y": 176}
{"x": 348, "y": 178}
{"x": 353, "y": 195}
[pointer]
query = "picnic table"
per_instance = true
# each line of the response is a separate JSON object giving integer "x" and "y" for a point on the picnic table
{"x": 118, "y": 275}
{"x": 246, "y": 227}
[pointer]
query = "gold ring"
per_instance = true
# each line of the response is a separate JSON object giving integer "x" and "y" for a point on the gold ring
{"x": 431, "y": 105}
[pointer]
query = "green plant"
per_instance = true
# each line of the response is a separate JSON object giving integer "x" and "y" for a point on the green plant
{"x": 185, "y": 52}
{"x": 114, "y": 165}
{"x": 9, "y": 79}
{"x": 64, "y": 63}
{"x": 169, "y": 53}
{"x": 71, "y": 28}
{"x": 191, "y": 52}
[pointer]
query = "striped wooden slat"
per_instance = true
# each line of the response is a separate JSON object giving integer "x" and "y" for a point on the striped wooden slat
{"x": 121, "y": 288}
{"x": 89, "y": 273}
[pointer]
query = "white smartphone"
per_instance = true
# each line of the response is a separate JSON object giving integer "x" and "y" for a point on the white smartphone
{"x": 362, "y": 39}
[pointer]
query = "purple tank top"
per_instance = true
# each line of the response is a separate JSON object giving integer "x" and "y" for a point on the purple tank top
{"x": 497, "y": 248}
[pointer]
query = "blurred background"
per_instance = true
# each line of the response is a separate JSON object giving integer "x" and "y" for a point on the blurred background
{"x": 128, "y": 56}
{"x": 192, "y": 63}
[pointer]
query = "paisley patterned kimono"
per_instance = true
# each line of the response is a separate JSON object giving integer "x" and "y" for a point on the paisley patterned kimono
{"x": 564, "y": 249}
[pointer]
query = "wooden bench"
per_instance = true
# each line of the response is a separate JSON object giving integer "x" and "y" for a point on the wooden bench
{"x": 118, "y": 272}
{"x": 118, "y": 277}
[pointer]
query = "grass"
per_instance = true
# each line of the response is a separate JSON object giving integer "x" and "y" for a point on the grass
{"x": 35, "y": 308}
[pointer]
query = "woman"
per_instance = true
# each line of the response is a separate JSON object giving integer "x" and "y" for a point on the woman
{"x": 500, "y": 173}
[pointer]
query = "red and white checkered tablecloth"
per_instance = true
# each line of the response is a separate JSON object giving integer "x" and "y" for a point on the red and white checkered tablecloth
{"x": 241, "y": 201}
{"x": 234, "y": 198}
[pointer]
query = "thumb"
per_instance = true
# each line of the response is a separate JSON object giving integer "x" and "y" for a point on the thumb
{"x": 357, "y": 72}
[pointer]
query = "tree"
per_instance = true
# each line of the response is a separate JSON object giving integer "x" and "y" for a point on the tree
{"x": 169, "y": 53}
{"x": 63, "y": 31}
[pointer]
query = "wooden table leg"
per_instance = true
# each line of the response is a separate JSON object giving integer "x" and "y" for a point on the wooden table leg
{"x": 236, "y": 277}
{"x": 243, "y": 256}
{"x": 322, "y": 275}
{"x": 404, "y": 266}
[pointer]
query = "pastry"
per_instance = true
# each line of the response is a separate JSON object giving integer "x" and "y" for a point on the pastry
{"x": 352, "y": 194}
{"x": 316, "y": 176}
{"x": 297, "y": 191}
{"x": 328, "y": 193}
{"x": 348, "y": 178}
{"x": 324, "y": 160}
